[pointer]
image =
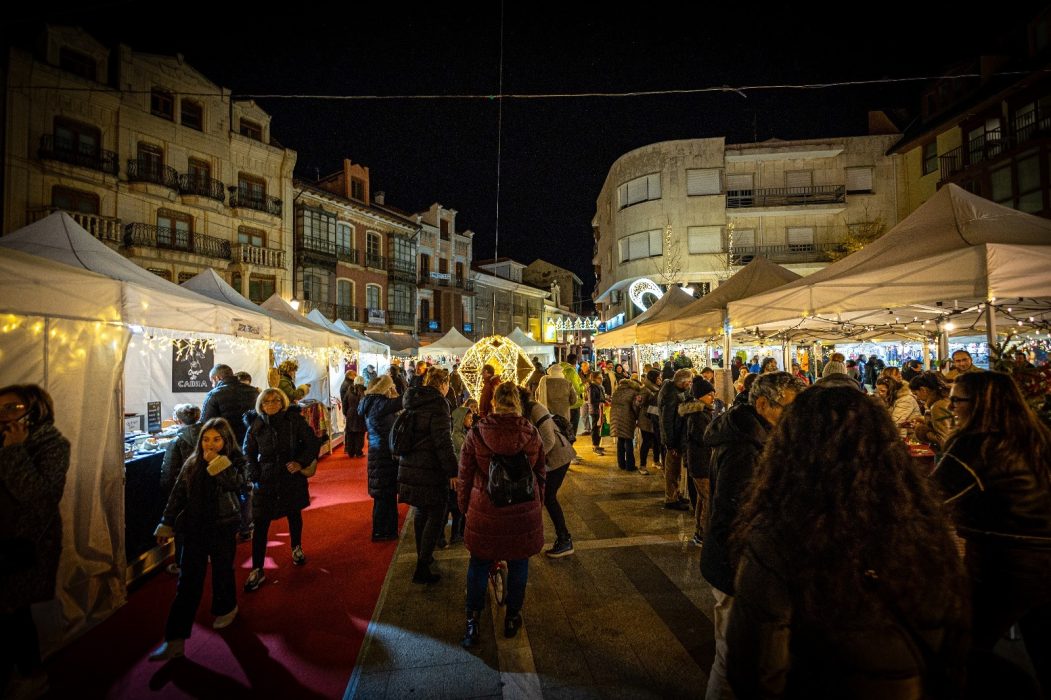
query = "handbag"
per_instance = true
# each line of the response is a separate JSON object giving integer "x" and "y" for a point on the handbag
{"x": 310, "y": 469}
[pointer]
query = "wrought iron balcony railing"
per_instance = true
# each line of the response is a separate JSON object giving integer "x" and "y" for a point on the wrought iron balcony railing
{"x": 150, "y": 236}
{"x": 314, "y": 244}
{"x": 400, "y": 318}
{"x": 348, "y": 313}
{"x": 346, "y": 254}
{"x": 201, "y": 186}
{"x": 140, "y": 170}
{"x": 259, "y": 202}
{"x": 795, "y": 253}
{"x": 64, "y": 151}
{"x": 786, "y": 196}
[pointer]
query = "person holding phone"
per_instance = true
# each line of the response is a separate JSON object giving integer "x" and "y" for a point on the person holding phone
{"x": 34, "y": 459}
{"x": 205, "y": 508}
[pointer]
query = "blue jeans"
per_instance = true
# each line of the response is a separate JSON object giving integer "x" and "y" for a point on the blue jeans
{"x": 478, "y": 579}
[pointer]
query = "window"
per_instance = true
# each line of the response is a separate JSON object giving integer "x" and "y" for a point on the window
{"x": 859, "y": 180}
{"x": 77, "y": 63}
{"x": 357, "y": 188}
{"x": 199, "y": 177}
{"x": 251, "y": 236}
{"x": 646, "y": 244}
{"x": 425, "y": 309}
{"x": 704, "y": 239}
{"x": 703, "y": 181}
{"x": 174, "y": 230}
{"x": 800, "y": 239}
{"x": 74, "y": 200}
{"x": 76, "y": 138}
{"x": 163, "y": 274}
{"x": 443, "y": 266}
{"x": 1001, "y": 190}
{"x": 373, "y": 246}
{"x": 372, "y": 296}
{"x": 251, "y": 189}
{"x": 316, "y": 226}
{"x": 403, "y": 251}
{"x": 739, "y": 182}
{"x": 344, "y": 293}
{"x": 930, "y": 157}
{"x": 315, "y": 285}
{"x": 261, "y": 288}
{"x": 459, "y": 270}
{"x": 799, "y": 179}
{"x": 162, "y": 104}
{"x": 1030, "y": 195}
{"x": 344, "y": 236}
{"x": 251, "y": 130}
{"x": 640, "y": 189}
{"x": 443, "y": 228}
{"x": 191, "y": 114}
{"x": 425, "y": 265}
{"x": 741, "y": 238}
{"x": 186, "y": 277}
{"x": 400, "y": 299}
{"x": 151, "y": 160}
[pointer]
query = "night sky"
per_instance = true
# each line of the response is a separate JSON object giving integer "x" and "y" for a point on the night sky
{"x": 555, "y": 151}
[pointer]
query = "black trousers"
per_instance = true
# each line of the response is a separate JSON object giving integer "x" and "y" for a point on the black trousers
{"x": 220, "y": 546}
{"x": 555, "y": 477}
{"x": 19, "y": 644}
{"x": 626, "y": 454}
{"x": 650, "y": 442}
{"x": 428, "y": 524}
{"x": 354, "y": 444}
{"x": 385, "y": 514}
{"x": 262, "y": 533}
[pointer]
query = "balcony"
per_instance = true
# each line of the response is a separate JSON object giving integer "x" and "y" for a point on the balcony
{"x": 104, "y": 228}
{"x": 312, "y": 244}
{"x": 149, "y": 236}
{"x": 149, "y": 171}
{"x": 263, "y": 257}
{"x": 349, "y": 314}
{"x": 1028, "y": 127}
{"x": 503, "y": 307}
{"x": 786, "y": 196}
{"x": 200, "y": 186}
{"x": 377, "y": 262}
{"x": 448, "y": 281}
{"x": 401, "y": 318}
{"x": 797, "y": 253}
{"x": 404, "y": 270}
{"x": 243, "y": 199}
{"x": 347, "y": 255}
{"x": 326, "y": 309}
{"x": 66, "y": 152}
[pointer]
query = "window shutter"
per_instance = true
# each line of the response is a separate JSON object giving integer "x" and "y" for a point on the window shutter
{"x": 654, "y": 186}
{"x": 704, "y": 239}
{"x": 741, "y": 181}
{"x": 625, "y": 248}
{"x": 637, "y": 190}
{"x": 801, "y": 238}
{"x": 656, "y": 243}
{"x": 859, "y": 179}
{"x": 799, "y": 178}
{"x": 744, "y": 237}
{"x": 702, "y": 181}
{"x": 639, "y": 246}
{"x": 622, "y": 195}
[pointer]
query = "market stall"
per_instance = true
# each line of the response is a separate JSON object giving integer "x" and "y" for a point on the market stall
{"x": 447, "y": 350}
{"x": 547, "y": 352}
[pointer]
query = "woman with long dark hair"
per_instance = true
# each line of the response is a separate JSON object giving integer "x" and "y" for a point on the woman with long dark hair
{"x": 846, "y": 557}
{"x": 205, "y": 508}
{"x": 34, "y": 459}
{"x": 379, "y": 407}
{"x": 937, "y": 423}
{"x": 996, "y": 474}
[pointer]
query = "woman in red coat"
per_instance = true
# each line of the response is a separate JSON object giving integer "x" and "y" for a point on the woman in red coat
{"x": 512, "y": 532}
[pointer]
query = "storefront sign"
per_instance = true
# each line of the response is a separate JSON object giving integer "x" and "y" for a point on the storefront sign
{"x": 190, "y": 366}
{"x": 432, "y": 325}
{"x": 377, "y": 317}
{"x": 440, "y": 275}
{"x": 468, "y": 328}
{"x": 245, "y": 329}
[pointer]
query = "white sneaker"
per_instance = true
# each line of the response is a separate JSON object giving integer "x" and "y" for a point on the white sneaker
{"x": 224, "y": 621}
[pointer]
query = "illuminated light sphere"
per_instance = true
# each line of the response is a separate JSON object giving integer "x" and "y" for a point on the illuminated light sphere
{"x": 509, "y": 361}
{"x": 641, "y": 287}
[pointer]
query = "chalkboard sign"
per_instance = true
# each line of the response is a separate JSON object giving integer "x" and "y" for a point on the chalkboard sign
{"x": 190, "y": 366}
{"x": 153, "y": 416}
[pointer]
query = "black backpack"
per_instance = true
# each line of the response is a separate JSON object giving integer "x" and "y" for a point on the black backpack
{"x": 561, "y": 425}
{"x": 402, "y": 439}
{"x": 511, "y": 478}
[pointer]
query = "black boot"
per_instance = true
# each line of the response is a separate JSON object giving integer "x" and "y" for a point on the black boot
{"x": 424, "y": 574}
{"x": 512, "y": 623}
{"x": 471, "y": 635}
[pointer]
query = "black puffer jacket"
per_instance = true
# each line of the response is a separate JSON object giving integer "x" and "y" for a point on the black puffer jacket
{"x": 230, "y": 400}
{"x": 200, "y": 504}
{"x": 177, "y": 452}
{"x": 648, "y": 422}
{"x": 271, "y": 443}
{"x": 736, "y": 439}
{"x": 351, "y": 399}
{"x": 424, "y": 473}
{"x": 698, "y": 416}
{"x": 379, "y": 413}
{"x": 673, "y": 426}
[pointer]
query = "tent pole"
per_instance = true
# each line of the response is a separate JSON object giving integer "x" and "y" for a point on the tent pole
{"x": 786, "y": 355}
{"x": 926, "y": 353}
{"x": 943, "y": 342}
{"x": 990, "y": 330}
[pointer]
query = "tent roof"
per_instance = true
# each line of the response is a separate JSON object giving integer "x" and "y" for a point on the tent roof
{"x": 704, "y": 317}
{"x": 32, "y": 286}
{"x": 956, "y": 251}
{"x": 626, "y": 336}
{"x": 401, "y": 344}
{"x": 148, "y": 300}
{"x": 453, "y": 342}
{"x": 304, "y": 327}
{"x": 210, "y": 284}
{"x": 373, "y": 346}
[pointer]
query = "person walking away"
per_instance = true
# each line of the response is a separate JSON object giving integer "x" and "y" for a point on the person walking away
{"x": 354, "y": 432}
{"x": 278, "y": 445}
{"x": 596, "y": 402}
{"x": 379, "y": 407}
{"x": 534, "y": 378}
{"x": 489, "y": 383}
{"x": 558, "y": 454}
{"x": 556, "y": 393}
{"x": 457, "y": 387}
{"x": 205, "y": 508}
{"x": 624, "y": 418}
{"x": 569, "y": 371}
{"x": 426, "y": 471}
{"x": 511, "y": 532}
{"x": 175, "y": 455}
{"x": 673, "y": 428}
{"x": 736, "y": 439}
{"x": 699, "y": 414}
{"x": 649, "y": 421}
{"x": 995, "y": 475}
{"x": 839, "y": 588}
{"x": 34, "y": 461}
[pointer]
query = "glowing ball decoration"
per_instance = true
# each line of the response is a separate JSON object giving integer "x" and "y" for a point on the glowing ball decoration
{"x": 510, "y": 363}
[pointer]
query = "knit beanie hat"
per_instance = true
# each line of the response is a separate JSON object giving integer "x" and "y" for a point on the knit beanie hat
{"x": 834, "y": 368}
{"x": 702, "y": 387}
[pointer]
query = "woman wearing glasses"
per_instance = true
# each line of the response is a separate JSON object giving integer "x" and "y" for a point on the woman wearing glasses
{"x": 278, "y": 445}
{"x": 996, "y": 473}
{"x": 34, "y": 459}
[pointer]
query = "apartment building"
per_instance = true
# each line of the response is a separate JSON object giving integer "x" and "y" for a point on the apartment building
{"x": 503, "y": 301}
{"x": 446, "y": 292}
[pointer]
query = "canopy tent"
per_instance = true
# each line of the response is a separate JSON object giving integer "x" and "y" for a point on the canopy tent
{"x": 360, "y": 340}
{"x": 379, "y": 359}
{"x": 531, "y": 346}
{"x": 626, "y": 336}
{"x": 704, "y": 317}
{"x": 948, "y": 258}
{"x": 452, "y": 343}
{"x": 63, "y": 330}
{"x": 400, "y": 344}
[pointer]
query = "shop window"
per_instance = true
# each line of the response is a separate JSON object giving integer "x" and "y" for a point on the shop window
{"x": 162, "y": 104}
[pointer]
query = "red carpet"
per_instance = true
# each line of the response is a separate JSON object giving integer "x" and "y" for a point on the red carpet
{"x": 297, "y": 636}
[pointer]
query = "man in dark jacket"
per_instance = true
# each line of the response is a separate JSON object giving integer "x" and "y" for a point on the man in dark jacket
{"x": 417, "y": 378}
{"x": 736, "y": 439}
{"x": 673, "y": 429}
{"x": 229, "y": 399}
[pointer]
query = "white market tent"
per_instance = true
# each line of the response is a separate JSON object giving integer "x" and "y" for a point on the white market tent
{"x": 626, "y": 336}
{"x": 531, "y": 346}
{"x": 62, "y": 329}
{"x": 378, "y": 356}
{"x": 954, "y": 254}
{"x": 400, "y": 344}
{"x": 452, "y": 343}
{"x": 704, "y": 317}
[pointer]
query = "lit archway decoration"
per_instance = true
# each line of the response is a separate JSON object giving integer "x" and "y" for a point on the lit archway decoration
{"x": 641, "y": 287}
{"x": 509, "y": 361}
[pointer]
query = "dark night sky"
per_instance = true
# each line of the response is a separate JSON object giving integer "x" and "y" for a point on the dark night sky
{"x": 557, "y": 151}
